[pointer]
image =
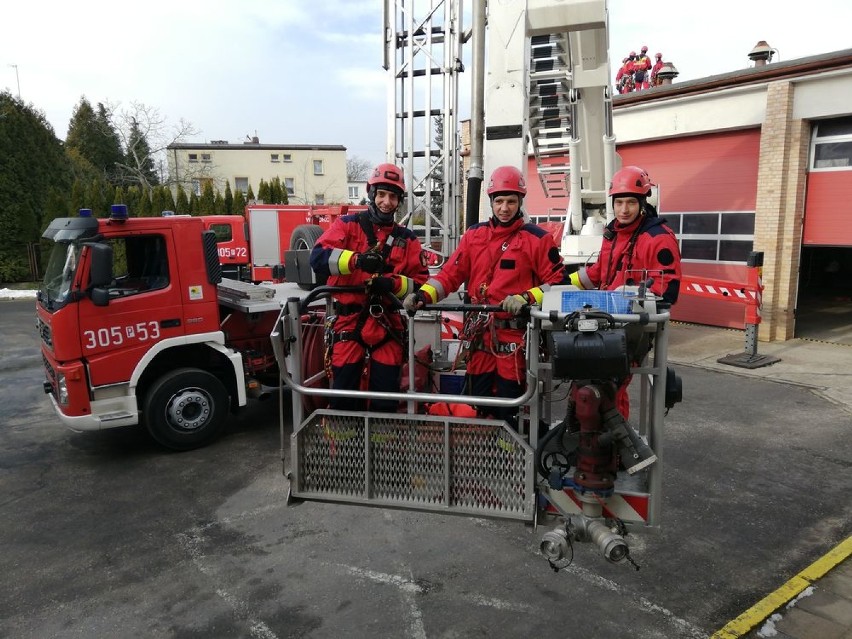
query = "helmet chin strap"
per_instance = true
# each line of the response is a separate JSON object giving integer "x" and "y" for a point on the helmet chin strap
{"x": 377, "y": 217}
{"x": 515, "y": 217}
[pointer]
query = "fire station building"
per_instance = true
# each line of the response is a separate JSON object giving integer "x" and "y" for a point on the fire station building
{"x": 758, "y": 159}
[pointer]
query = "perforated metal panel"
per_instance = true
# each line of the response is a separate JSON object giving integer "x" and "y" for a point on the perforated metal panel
{"x": 423, "y": 462}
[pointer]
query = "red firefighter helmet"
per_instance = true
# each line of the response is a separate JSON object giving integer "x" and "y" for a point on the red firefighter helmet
{"x": 632, "y": 54}
{"x": 658, "y": 55}
{"x": 631, "y": 181}
{"x": 507, "y": 179}
{"x": 388, "y": 177}
{"x": 644, "y": 49}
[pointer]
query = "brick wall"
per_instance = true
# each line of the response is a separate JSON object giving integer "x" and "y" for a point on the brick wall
{"x": 780, "y": 205}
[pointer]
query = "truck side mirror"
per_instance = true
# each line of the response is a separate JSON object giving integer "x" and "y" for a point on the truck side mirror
{"x": 100, "y": 273}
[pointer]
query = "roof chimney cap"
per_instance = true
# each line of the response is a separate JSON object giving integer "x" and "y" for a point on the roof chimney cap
{"x": 667, "y": 73}
{"x": 761, "y": 53}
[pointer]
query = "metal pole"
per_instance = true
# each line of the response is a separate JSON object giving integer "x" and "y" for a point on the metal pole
{"x": 477, "y": 115}
{"x": 17, "y": 79}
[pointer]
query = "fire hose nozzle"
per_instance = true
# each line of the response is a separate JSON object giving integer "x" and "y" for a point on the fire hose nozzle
{"x": 634, "y": 452}
{"x": 611, "y": 544}
{"x": 554, "y": 544}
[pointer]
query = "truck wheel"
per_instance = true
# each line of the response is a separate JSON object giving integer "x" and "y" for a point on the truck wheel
{"x": 303, "y": 239}
{"x": 186, "y": 409}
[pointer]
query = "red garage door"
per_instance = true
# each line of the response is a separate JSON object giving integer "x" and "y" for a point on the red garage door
{"x": 827, "y": 220}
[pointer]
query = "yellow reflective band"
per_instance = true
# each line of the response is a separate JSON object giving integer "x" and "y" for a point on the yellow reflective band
{"x": 536, "y": 294}
{"x": 343, "y": 262}
{"x": 431, "y": 291}
{"x": 575, "y": 279}
{"x": 405, "y": 285}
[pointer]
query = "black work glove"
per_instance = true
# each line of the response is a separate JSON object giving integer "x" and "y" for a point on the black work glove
{"x": 381, "y": 285}
{"x": 370, "y": 262}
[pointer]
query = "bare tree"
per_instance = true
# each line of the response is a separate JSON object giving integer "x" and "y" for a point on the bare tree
{"x": 357, "y": 169}
{"x": 145, "y": 135}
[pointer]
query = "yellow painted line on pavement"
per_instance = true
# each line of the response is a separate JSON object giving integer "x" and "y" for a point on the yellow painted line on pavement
{"x": 773, "y": 601}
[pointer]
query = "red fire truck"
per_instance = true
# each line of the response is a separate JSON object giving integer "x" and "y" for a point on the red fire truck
{"x": 138, "y": 326}
{"x": 252, "y": 246}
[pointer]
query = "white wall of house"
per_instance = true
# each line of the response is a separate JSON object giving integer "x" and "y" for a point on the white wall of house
{"x": 312, "y": 174}
{"x": 357, "y": 192}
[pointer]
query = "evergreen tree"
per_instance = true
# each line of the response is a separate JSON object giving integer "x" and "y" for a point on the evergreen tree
{"x": 263, "y": 192}
{"x": 99, "y": 197}
{"x": 275, "y": 191}
{"x": 181, "y": 202}
{"x": 239, "y": 206}
{"x": 278, "y": 192}
{"x": 93, "y": 138}
{"x": 143, "y": 206}
{"x": 161, "y": 200}
{"x": 82, "y": 168}
{"x": 33, "y": 169}
{"x": 207, "y": 199}
{"x": 79, "y": 198}
{"x": 249, "y": 194}
{"x": 218, "y": 204}
{"x": 193, "y": 204}
{"x": 138, "y": 167}
{"x": 229, "y": 200}
{"x": 132, "y": 199}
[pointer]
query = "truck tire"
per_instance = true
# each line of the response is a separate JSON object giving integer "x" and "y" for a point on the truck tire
{"x": 186, "y": 408}
{"x": 303, "y": 239}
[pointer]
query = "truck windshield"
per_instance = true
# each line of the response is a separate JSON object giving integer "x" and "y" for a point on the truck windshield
{"x": 59, "y": 275}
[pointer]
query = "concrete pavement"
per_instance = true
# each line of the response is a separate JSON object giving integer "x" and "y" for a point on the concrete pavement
{"x": 817, "y": 602}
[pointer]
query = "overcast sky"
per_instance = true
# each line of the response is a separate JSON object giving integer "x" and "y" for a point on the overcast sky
{"x": 309, "y": 71}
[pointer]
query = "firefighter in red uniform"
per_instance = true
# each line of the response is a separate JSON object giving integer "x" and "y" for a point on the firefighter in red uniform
{"x": 370, "y": 250}
{"x": 641, "y": 69}
{"x": 624, "y": 77}
{"x": 655, "y": 80}
{"x": 637, "y": 246}
{"x": 503, "y": 261}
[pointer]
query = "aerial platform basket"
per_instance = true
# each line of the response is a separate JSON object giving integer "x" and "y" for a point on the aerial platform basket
{"x": 448, "y": 464}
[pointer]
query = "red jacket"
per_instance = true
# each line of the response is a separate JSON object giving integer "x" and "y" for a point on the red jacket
{"x": 333, "y": 256}
{"x": 645, "y": 248}
{"x": 497, "y": 261}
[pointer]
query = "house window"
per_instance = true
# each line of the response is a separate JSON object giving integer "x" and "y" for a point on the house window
{"x": 353, "y": 192}
{"x": 193, "y": 157}
{"x": 319, "y": 198}
{"x": 713, "y": 237}
{"x": 317, "y": 167}
{"x": 286, "y": 157}
{"x": 205, "y": 157}
{"x": 290, "y": 186}
{"x": 196, "y": 187}
{"x": 273, "y": 157}
{"x": 241, "y": 184}
{"x": 831, "y": 146}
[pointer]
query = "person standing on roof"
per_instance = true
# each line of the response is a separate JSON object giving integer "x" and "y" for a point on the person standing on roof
{"x": 641, "y": 69}
{"x": 637, "y": 247}
{"x": 624, "y": 77}
{"x": 371, "y": 251}
{"x": 655, "y": 80}
{"x": 503, "y": 261}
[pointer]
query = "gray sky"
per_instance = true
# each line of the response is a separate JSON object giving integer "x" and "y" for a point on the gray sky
{"x": 309, "y": 71}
